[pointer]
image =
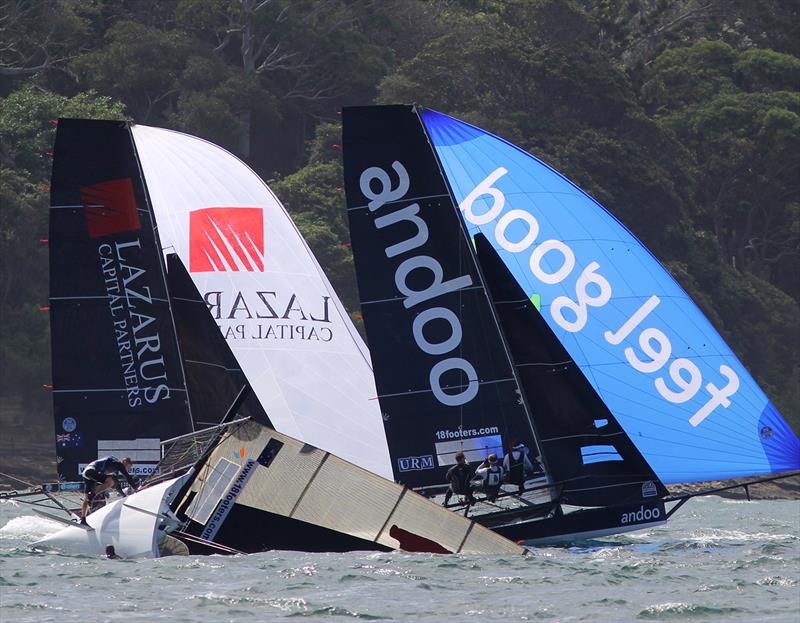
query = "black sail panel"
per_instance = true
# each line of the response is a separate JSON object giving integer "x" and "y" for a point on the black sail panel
{"x": 213, "y": 376}
{"x": 117, "y": 383}
{"x": 585, "y": 447}
{"x": 444, "y": 380}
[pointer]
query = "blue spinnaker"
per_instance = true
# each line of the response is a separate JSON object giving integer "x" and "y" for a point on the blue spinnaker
{"x": 674, "y": 385}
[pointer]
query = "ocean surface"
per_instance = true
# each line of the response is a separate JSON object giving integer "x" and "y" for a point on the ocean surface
{"x": 716, "y": 560}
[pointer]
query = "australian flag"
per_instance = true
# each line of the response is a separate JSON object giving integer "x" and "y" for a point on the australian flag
{"x": 69, "y": 440}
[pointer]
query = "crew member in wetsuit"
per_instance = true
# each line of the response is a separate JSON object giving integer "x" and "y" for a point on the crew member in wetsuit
{"x": 98, "y": 477}
{"x": 492, "y": 476}
{"x": 459, "y": 476}
{"x": 517, "y": 465}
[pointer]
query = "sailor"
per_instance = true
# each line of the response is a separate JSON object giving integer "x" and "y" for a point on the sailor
{"x": 458, "y": 477}
{"x": 98, "y": 476}
{"x": 491, "y": 474}
{"x": 517, "y": 465}
{"x": 111, "y": 553}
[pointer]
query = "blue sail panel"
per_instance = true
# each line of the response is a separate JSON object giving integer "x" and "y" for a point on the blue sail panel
{"x": 677, "y": 389}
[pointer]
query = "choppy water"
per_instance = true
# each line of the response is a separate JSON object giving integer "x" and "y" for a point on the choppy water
{"x": 717, "y": 560}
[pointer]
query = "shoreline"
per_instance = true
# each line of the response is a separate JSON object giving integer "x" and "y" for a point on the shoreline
{"x": 27, "y": 452}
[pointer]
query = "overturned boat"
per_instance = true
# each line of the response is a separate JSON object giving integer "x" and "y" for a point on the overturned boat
{"x": 502, "y": 304}
{"x": 141, "y": 369}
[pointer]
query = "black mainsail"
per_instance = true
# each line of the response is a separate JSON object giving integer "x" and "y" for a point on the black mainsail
{"x": 444, "y": 378}
{"x": 118, "y": 386}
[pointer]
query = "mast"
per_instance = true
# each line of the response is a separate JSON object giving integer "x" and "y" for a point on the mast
{"x": 482, "y": 277}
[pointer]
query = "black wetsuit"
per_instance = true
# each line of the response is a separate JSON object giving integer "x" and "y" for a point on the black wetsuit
{"x": 459, "y": 476}
{"x": 96, "y": 472}
{"x": 516, "y": 470}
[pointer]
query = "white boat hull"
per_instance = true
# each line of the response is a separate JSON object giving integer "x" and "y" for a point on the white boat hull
{"x": 133, "y": 525}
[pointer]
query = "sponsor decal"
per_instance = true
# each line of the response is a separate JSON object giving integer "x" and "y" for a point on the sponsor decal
{"x": 238, "y": 454}
{"x": 69, "y": 424}
{"x": 249, "y": 315}
{"x": 466, "y": 433}
{"x": 142, "y": 469}
{"x": 135, "y": 322}
{"x": 69, "y": 440}
{"x": 226, "y": 503}
{"x": 376, "y": 185}
{"x": 649, "y": 489}
{"x": 137, "y": 469}
{"x": 110, "y": 208}
{"x": 415, "y": 463}
{"x": 226, "y": 239}
{"x": 643, "y": 514}
{"x": 683, "y": 378}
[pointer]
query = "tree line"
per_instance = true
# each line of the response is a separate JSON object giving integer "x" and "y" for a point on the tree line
{"x": 681, "y": 117}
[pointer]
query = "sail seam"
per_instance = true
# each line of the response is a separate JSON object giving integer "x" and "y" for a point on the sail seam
{"x": 620, "y": 484}
{"x": 402, "y": 298}
{"x": 403, "y": 200}
{"x": 111, "y": 389}
{"x": 214, "y": 365}
{"x": 545, "y": 363}
{"x": 585, "y": 435}
{"x": 103, "y": 297}
{"x": 427, "y": 391}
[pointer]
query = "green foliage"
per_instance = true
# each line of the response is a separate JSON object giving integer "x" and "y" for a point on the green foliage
{"x": 24, "y": 334}
{"x": 27, "y": 135}
{"x": 138, "y": 65}
{"x": 681, "y": 117}
{"x": 26, "y": 129}
{"x": 735, "y": 114}
{"x": 314, "y": 197}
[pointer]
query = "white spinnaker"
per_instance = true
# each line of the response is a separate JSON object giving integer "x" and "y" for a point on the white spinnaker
{"x": 290, "y": 333}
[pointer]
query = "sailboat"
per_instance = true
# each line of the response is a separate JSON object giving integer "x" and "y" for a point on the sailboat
{"x": 141, "y": 368}
{"x": 503, "y": 304}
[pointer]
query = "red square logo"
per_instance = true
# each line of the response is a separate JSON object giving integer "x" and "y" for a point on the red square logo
{"x": 226, "y": 239}
{"x": 110, "y": 208}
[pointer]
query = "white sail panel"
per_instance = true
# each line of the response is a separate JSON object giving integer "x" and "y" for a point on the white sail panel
{"x": 289, "y": 331}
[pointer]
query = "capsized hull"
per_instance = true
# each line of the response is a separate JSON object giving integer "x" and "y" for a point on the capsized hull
{"x": 258, "y": 489}
{"x": 133, "y": 525}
